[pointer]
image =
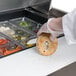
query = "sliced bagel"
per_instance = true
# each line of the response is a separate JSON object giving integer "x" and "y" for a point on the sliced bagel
{"x": 45, "y": 45}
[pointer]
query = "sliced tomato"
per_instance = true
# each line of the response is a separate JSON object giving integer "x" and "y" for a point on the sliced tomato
{"x": 7, "y": 52}
{"x": 3, "y": 41}
{"x": 2, "y": 50}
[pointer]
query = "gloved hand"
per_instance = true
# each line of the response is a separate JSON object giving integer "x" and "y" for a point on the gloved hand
{"x": 52, "y": 26}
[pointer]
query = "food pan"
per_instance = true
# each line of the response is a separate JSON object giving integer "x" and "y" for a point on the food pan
{"x": 7, "y": 46}
{"x": 26, "y": 23}
{"x": 15, "y": 33}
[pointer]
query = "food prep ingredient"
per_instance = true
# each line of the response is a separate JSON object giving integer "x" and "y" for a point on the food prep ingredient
{"x": 7, "y": 30}
{"x": 45, "y": 45}
{"x": 6, "y": 47}
{"x": 24, "y": 23}
{"x": 16, "y": 49}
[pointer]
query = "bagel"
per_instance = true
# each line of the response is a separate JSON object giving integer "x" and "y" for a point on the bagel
{"x": 45, "y": 45}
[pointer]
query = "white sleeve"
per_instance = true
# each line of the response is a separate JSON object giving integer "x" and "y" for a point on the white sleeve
{"x": 69, "y": 27}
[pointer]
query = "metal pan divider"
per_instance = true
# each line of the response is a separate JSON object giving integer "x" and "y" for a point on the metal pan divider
{"x": 13, "y": 41}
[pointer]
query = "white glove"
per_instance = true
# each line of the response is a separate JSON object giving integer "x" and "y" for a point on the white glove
{"x": 52, "y": 26}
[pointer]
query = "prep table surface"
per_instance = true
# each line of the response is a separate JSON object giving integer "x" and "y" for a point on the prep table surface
{"x": 30, "y": 63}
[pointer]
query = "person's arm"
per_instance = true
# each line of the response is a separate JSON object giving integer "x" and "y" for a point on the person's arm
{"x": 52, "y": 26}
{"x": 69, "y": 27}
{"x": 65, "y": 24}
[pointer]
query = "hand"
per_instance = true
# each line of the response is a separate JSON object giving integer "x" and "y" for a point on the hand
{"x": 52, "y": 26}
